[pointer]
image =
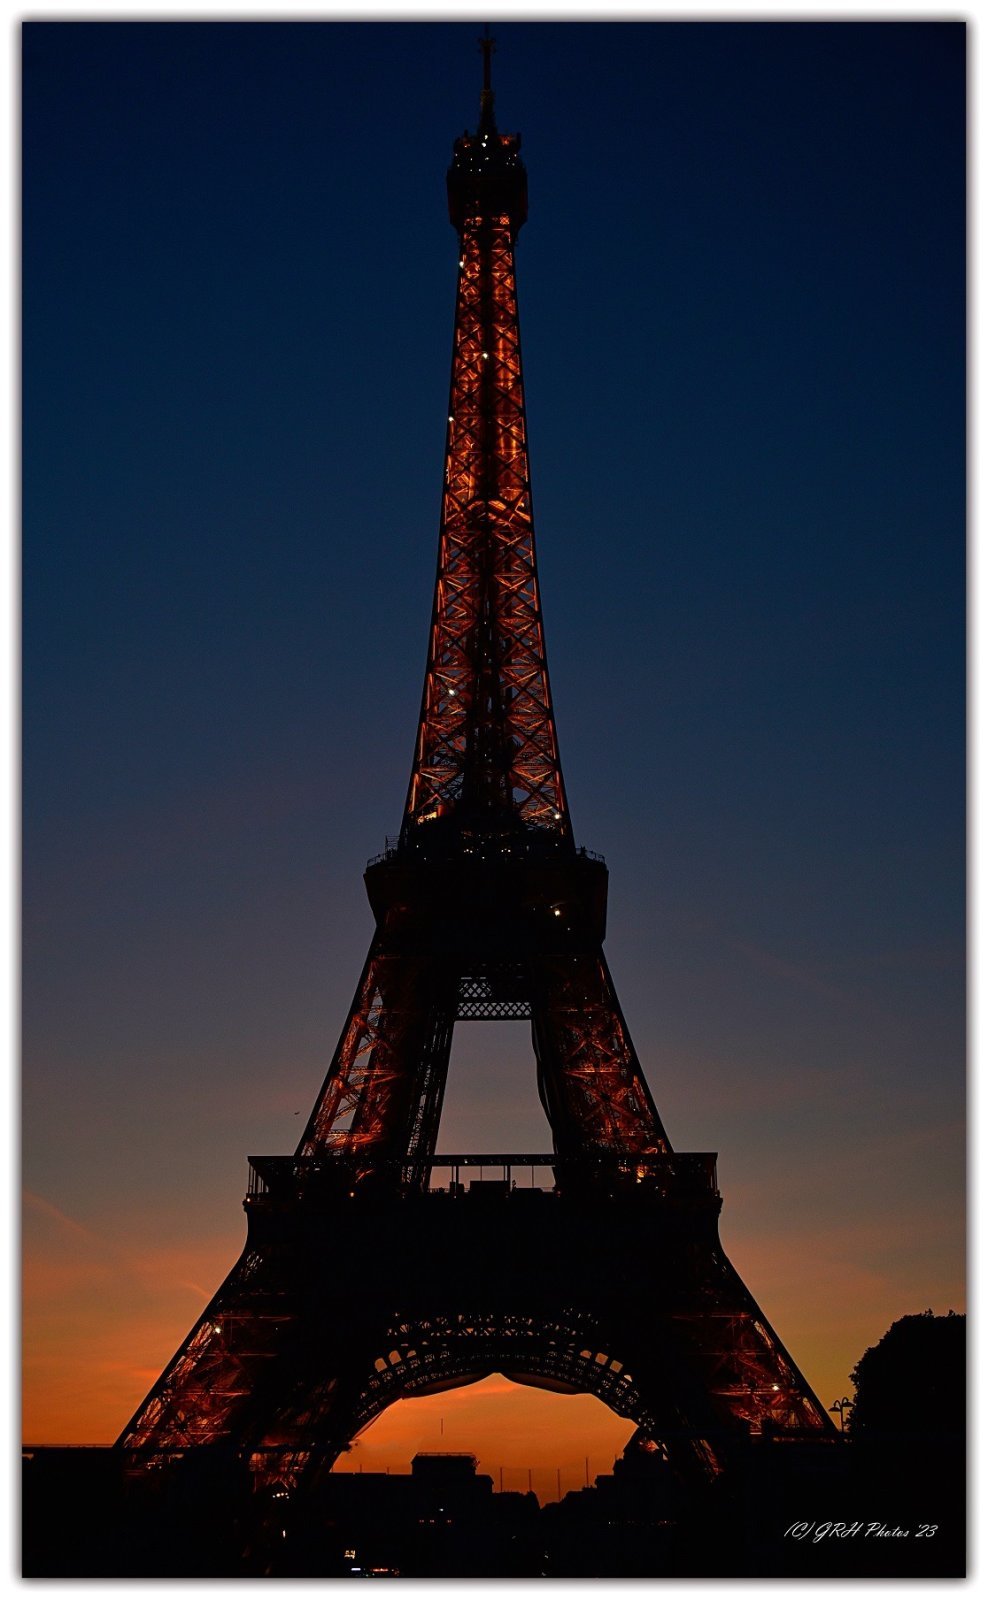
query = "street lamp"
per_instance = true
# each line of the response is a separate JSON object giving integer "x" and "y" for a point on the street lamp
{"x": 840, "y": 1406}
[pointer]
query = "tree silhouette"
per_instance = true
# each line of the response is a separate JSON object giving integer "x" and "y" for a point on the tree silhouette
{"x": 913, "y": 1380}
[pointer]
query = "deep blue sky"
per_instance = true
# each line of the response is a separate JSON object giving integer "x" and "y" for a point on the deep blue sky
{"x": 742, "y": 291}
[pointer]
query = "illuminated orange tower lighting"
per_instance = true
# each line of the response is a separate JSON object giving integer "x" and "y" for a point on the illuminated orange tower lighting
{"x": 360, "y": 1280}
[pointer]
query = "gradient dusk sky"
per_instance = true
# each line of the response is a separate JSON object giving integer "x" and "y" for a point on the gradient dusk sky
{"x": 742, "y": 302}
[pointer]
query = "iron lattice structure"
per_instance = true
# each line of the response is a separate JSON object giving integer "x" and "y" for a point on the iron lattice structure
{"x": 487, "y": 739}
{"x": 486, "y": 835}
{"x": 615, "y": 1281}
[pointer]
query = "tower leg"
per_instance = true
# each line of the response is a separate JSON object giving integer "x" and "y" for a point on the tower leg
{"x": 590, "y": 1079}
{"x": 383, "y": 1095}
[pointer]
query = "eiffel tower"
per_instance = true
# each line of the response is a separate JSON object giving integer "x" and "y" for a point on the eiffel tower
{"x": 360, "y": 1282}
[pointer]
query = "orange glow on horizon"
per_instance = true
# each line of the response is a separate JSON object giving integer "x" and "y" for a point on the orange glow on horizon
{"x": 512, "y": 1429}
{"x": 104, "y": 1314}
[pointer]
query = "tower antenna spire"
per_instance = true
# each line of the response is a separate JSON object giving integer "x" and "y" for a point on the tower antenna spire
{"x": 487, "y": 47}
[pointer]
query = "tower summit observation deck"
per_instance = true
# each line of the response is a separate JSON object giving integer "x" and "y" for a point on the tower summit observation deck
{"x": 487, "y": 178}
